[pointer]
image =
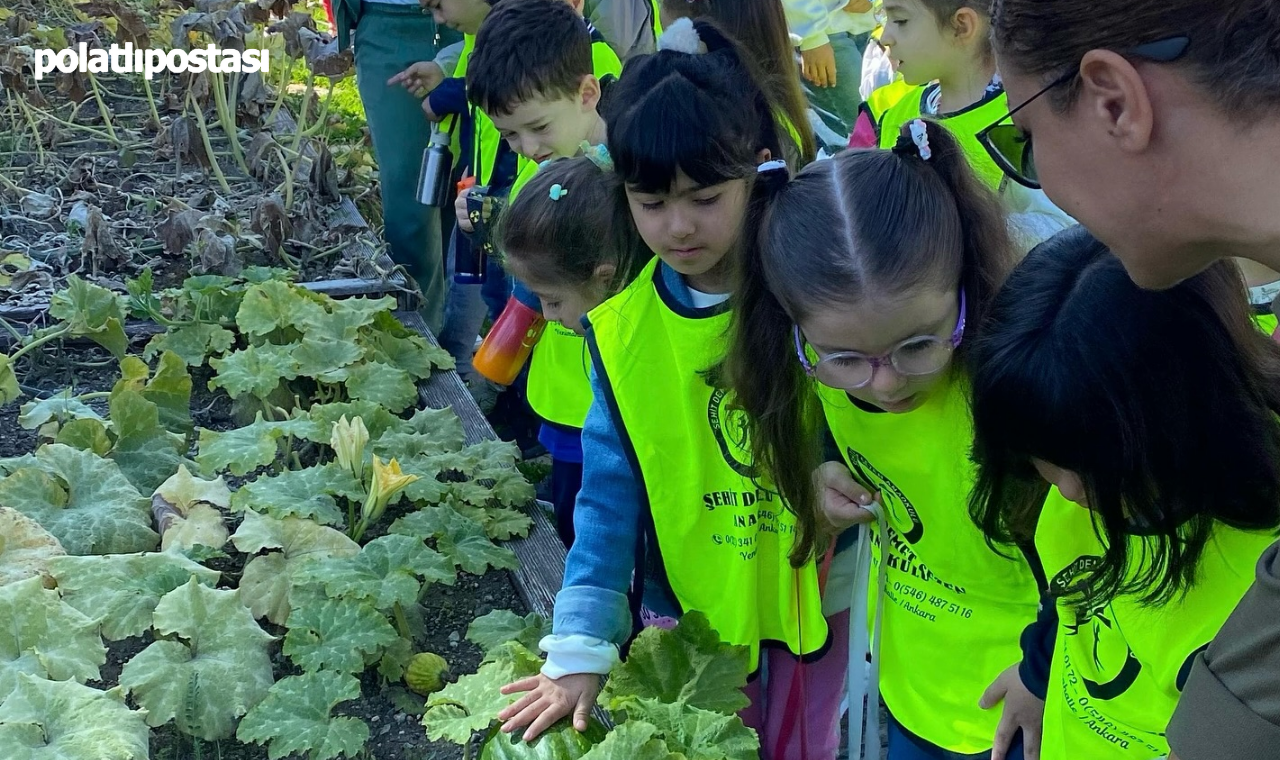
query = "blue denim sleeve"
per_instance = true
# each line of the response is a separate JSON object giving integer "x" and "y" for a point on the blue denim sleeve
{"x": 593, "y": 599}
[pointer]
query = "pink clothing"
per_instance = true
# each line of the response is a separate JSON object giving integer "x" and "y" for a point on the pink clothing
{"x": 798, "y": 714}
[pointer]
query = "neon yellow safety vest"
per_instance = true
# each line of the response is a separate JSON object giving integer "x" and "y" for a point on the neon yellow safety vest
{"x": 954, "y": 609}
{"x": 722, "y": 541}
{"x": 883, "y": 98}
{"x": 560, "y": 377}
{"x": 965, "y": 124}
{"x": 657, "y": 19}
{"x": 1266, "y": 321}
{"x": 1118, "y": 668}
{"x": 460, "y": 72}
{"x": 559, "y": 385}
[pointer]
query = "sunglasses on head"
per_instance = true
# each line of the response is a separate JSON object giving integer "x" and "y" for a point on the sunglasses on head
{"x": 1010, "y": 147}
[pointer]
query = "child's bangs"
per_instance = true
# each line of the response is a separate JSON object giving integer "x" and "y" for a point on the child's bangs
{"x": 673, "y": 129}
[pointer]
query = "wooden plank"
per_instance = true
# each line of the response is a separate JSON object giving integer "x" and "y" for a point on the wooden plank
{"x": 540, "y": 553}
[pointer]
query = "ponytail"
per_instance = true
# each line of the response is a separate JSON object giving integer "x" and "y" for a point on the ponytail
{"x": 988, "y": 253}
{"x": 867, "y": 221}
{"x": 770, "y": 388}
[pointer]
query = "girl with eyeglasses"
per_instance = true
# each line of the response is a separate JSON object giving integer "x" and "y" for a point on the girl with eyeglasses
{"x": 857, "y": 305}
{"x": 1165, "y": 467}
{"x": 941, "y": 47}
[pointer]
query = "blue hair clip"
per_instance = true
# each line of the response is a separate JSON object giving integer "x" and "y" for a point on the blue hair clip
{"x": 598, "y": 155}
{"x": 558, "y": 192}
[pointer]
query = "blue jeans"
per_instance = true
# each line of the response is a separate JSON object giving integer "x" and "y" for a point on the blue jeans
{"x": 906, "y": 746}
{"x": 837, "y": 107}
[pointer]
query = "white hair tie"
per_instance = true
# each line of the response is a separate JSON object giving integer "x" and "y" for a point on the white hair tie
{"x": 682, "y": 37}
{"x": 920, "y": 136}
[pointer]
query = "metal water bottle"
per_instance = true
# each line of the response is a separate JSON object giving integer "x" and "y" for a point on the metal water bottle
{"x": 437, "y": 163}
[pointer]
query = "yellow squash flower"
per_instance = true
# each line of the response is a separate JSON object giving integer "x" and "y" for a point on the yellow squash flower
{"x": 388, "y": 481}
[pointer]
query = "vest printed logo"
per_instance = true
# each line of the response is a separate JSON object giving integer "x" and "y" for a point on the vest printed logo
{"x": 729, "y": 428}
{"x": 1115, "y": 668}
{"x": 899, "y": 507}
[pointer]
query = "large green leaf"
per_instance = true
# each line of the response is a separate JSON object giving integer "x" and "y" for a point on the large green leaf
{"x": 560, "y": 742}
{"x": 382, "y": 384}
{"x": 63, "y": 408}
{"x": 460, "y": 539}
{"x": 427, "y": 432}
{"x": 121, "y": 591}
{"x": 83, "y": 500}
{"x": 170, "y": 390}
{"x": 472, "y": 703}
{"x": 501, "y": 626}
{"x": 44, "y": 636}
{"x": 304, "y": 493}
{"x": 93, "y": 312}
{"x": 412, "y": 354}
{"x": 385, "y": 572}
{"x": 62, "y": 720}
{"x": 688, "y": 664}
{"x": 633, "y": 741}
{"x": 245, "y": 449}
{"x": 376, "y": 419}
{"x": 335, "y": 634}
{"x": 297, "y": 717}
{"x": 696, "y": 734}
{"x": 255, "y": 371}
{"x": 146, "y": 452}
{"x": 25, "y": 548}
{"x": 86, "y": 435}
{"x": 9, "y": 387}
{"x": 275, "y": 305}
{"x": 267, "y": 582}
{"x": 318, "y": 356}
{"x": 214, "y": 672}
{"x": 192, "y": 343}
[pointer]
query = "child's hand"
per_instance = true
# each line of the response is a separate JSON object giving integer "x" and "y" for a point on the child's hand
{"x": 858, "y": 6}
{"x": 420, "y": 78}
{"x": 1022, "y": 711}
{"x": 820, "y": 65}
{"x": 548, "y": 701}
{"x": 460, "y": 210}
{"x": 843, "y": 500}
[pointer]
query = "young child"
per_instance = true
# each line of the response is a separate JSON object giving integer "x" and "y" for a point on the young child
{"x": 760, "y": 27}
{"x": 856, "y": 307}
{"x": 832, "y": 36}
{"x": 1082, "y": 380}
{"x": 665, "y": 472}
{"x": 539, "y": 76}
{"x": 941, "y": 47}
{"x": 569, "y": 239}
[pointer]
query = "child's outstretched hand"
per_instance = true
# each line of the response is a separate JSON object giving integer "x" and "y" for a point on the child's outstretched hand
{"x": 420, "y": 78}
{"x": 844, "y": 501}
{"x": 548, "y": 700}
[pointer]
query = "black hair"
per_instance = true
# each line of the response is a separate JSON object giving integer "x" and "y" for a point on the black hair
{"x": 867, "y": 220}
{"x": 703, "y": 114}
{"x": 527, "y": 49}
{"x": 565, "y": 240}
{"x": 1163, "y": 403}
{"x": 760, "y": 27}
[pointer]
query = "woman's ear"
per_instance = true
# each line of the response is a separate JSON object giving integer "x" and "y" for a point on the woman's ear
{"x": 764, "y": 156}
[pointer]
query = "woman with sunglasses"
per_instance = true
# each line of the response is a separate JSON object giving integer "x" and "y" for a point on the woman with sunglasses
{"x": 855, "y": 302}
{"x": 941, "y": 47}
{"x": 1156, "y": 123}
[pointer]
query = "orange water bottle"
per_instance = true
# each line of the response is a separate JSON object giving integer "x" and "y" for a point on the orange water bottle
{"x": 510, "y": 341}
